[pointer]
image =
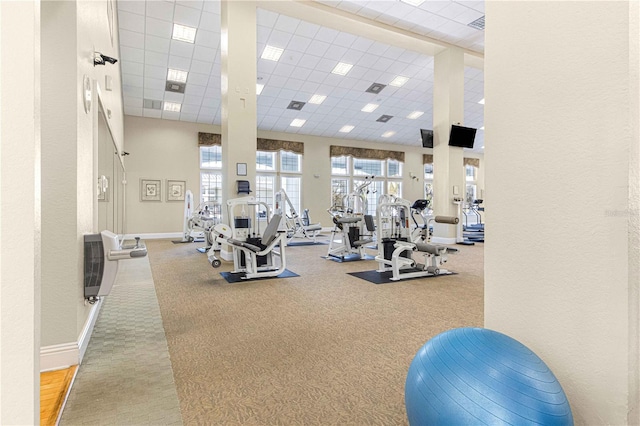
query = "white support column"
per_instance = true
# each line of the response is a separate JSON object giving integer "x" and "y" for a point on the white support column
{"x": 562, "y": 144}
{"x": 238, "y": 85}
{"x": 448, "y": 109}
{"x": 20, "y": 212}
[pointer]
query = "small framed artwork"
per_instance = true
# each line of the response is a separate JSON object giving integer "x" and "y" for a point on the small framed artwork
{"x": 176, "y": 190}
{"x": 150, "y": 189}
{"x": 241, "y": 169}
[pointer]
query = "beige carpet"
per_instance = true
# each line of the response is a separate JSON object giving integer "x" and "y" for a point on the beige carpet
{"x": 322, "y": 348}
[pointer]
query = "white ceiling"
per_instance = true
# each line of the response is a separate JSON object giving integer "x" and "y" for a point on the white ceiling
{"x": 310, "y": 53}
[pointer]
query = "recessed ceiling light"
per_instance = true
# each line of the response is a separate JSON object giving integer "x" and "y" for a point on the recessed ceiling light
{"x": 415, "y": 114}
{"x": 388, "y": 134}
{"x": 399, "y": 81}
{"x": 376, "y": 88}
{"x": 177, "y": 75}
{"x": 259, "y": 88}
{"x": 481, "y": 101}
{"x": 342, "y": 68}
{"x": 482, "y": 147}
{"x": 369, "y": 107}
{"x": 297, "y": 105}
{"x": 298, "y": 122}
{"x": 183, "y": 33}
{"x": 413, "y": 2}
{"x": 271, "y": 53}
{"x": 317, "y": 99}
{"x": 482, "y": 128}
{"x": 346, "y": 129}
{"x": 172, "y": 106}
{"x": 384, "y": 118}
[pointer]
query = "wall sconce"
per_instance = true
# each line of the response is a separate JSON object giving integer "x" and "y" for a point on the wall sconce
{"x": 413, "y": 176}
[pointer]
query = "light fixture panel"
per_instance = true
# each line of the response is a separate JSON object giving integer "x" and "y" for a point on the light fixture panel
{"x": 388, "y": 134}
{"x": 376, "y": 88}
{"x": 272, "y": 53}
{"x": 184, "y": 33}
{"x": 415, "y": 114}
{"x": 399, "y": 81}
{"x": 317, "y": 99}
{"x": 342, "y": 68}
{"x": 384, "y": 118}
{"x": 346, "y": 129}
{"x": 172, "y": 106}
{"x": 369, "y": 107}
{"x": 259, "y": 88}
{"x": 177, "y": 75}
{"x": 298, "y": 122}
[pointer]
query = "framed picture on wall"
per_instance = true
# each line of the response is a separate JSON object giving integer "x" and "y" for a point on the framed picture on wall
{"x": 150, "y": 190}
{"x": 103, "y": 188}
{"x": 176, "y": 190}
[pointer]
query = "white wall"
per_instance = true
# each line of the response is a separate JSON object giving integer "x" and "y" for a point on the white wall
{"x": 558, "y": 121}
{"x": 70, "y": 33}
{"x": 163, "y": 149}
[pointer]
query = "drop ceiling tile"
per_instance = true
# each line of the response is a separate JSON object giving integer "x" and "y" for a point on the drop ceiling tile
{"x": 295, "y": 84}
{"x": 318, "y": 48}
{"x": 173, "y": 97}
{"x": 266, "y": 18}
{"x": 279, "y": 38}
{"x": 153, "y": 94}
{"x": 158, "y": 28}
{"x": 192, "y": 100}
{"x": 215, "y": 69}
{"x": 205, "y": 119}
{"x": 180, "y": 48}
{"x": 157, "y": 59}
{"x": 132, "y": 80}
{"x": 287, "y": 24}
{"x": 170, "y": 115}
{"x": 179, "y": 62}
{"x": 192, "y": 118}
{"x": 195, "y": 4}
{"x": 211, "y": 112}
{"x": 270, "y": 91}
{"x": 333, "y": 80}
{"x": 378, "y": 48}
{"x": 151, "y": 113}
{"x": 352, "y": 56}
{"x": 134, "y": 92}
{"x": 362, "y": 44}
{"x": 382, "y": 64}
{"x": 133, "y": 102}
{"x": 131, "y": 39}
{"x": 201, "y": 67}
{"x": 283, "y": 70}
{"x": 210, "y": 22}
{"x": 153, "y": 71}
{"x": 262, "y": 35}
{"x": 336, "y": 53}
{"x": 135, "y": 68}
{"x": 132, "y": 6}
{"x": 326, "y": 65}
{"x": 212, "y": 6}
{"x": 345, "y": 39}
{"x": 309, "y": 61}
{"x": 212, "y": 94}
{"x": 154, "y": 84}
{"x": 206, "y": 54}
{"x": 290, "y": 57}
{"x": 194, "y": 90}
{"x": 159, "y": 9}
{"x": 130, "y": 21}
{"x": 157, "y": 44}
{"x": 128, "y": 110}
{"x": 198, "y": 79}
{"x": 371, "y": 76}
{"x": 310, "y": 87}
{"x": 327, "y": 35}
{"x": 339, "y": 92}
{"x": 298, "y": 43}
{"x": 186, "y": 16}
{"x": 132, "y": 54}
{"x": 266, "y": 67}
{"x": 317, "y": 76}
{"x": 307, "y": 29}
{"x": 207, "y": 39}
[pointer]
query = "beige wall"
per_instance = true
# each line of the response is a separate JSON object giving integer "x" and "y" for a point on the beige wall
{"x": 563, "y": 150}
{"x": 162, "y": 149}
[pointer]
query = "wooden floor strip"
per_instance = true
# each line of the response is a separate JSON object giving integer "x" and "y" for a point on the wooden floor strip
{"x": 54, "y": 386}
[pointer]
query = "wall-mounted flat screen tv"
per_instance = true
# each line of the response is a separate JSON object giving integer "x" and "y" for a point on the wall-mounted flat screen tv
{"x": 427, "y": 138}
{"x": 462, "y": 136}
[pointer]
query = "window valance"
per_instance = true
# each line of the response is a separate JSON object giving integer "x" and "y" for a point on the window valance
{"x": 277, "y": 145}
{"x": 427, "y": 158}
{"x": 475, "y": 162}
{"x": 370, "y": 154}
{"x": 209, "y": 138}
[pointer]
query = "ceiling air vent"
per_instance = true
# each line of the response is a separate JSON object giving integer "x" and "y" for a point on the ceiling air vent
{"x": 297, "y": 105}
{"x": 151, "y": 104}
{"x": 376, "y": 88}
{"x": 478, "y": 24}
{"x": 384, "y": 118}
{"x": 174, "y": 86}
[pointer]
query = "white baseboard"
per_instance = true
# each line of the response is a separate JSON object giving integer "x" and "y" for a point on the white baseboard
{"x": 154, "y": 236}
{"x": 64, "y": 355}
{"x": 442, "y": 240}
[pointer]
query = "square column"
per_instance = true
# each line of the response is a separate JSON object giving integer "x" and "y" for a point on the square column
{"x": 238, "y": 86}
{"x": 448, "y": 168}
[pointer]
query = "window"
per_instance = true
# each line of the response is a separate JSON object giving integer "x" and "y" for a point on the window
{"x": 348, "y": 174}
{"x": 471, "y": 191}
{"x": 279, "y": 170}
{"x": 428, "y": 183}
{"x": 211, "y": 173}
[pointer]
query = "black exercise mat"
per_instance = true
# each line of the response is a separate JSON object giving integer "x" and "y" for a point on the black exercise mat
{"x": 236, "y": 277}
{"x": 376, "y": 277}
{"x": 348, "y": 258}
{"x": 198, "y": 240}
{"x": 307, "y": 243}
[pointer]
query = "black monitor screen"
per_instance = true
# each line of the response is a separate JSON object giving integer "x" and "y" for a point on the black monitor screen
{"x": 427, "y": 138}
{"x": 462, "y": 136}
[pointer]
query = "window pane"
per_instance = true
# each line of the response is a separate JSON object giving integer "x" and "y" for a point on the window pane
{"x": 290, "y": 162}
{"x": 367, "y": 167}
{"x": 471, "y": 173}
{"x": 210, "y": 187}
{"x": 471, "y": 193}
{"x": 291, "y": 185}
{"x": 428, "y": 171}
{"x": 211, "y": 157}
{"x": 394, "y": 168}
{"x": 265, "y": 161}
{"x": 394, "y": 188}
{"x": 338, "y": 191}
{"x": 339, "y": 165}
{"x": 265, "y": 189}
{"x": 371, "y": 194}
{"x": 428, "y": 192}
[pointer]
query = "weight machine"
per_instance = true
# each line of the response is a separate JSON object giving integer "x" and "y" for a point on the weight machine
{"x": 296, "y": 226}
{"x": 396, "y": 245}
{"x": 199, "y": 221}
{"x": 256, "y": 254}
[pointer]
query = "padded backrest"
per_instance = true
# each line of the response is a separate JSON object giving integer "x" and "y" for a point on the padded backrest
{"x": 368, "y": 222}
{"x": 272, "y": 230}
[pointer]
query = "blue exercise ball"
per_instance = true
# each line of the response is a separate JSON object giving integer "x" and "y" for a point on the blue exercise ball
{"x": 475, "y": 376}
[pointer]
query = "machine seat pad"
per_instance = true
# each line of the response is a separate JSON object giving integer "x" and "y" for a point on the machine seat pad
{"x": 359, "y": 243}
{"x": 430, "y": 248}
{"x": 238, "y": 243}
{"x": 349, "y": 219}
{"x": 314, "y": 227}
